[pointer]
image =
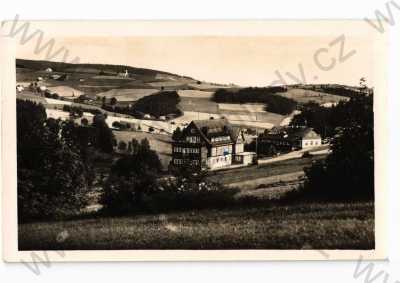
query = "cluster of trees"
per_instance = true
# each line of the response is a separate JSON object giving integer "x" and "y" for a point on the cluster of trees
{"x": 123, "y": 126}
{"x": 274, "y": 103}
{"x": 160, "y": 104}
{"x": 78, "y": 110}
{"x": 54, "y": 162}
{"x": 136, "y": 184}
{"x": 348, "y": 172}
{"x": 132, "y": 147}
{"x": 73, "y": 111}
{"x": 326, "y": 121}
{"x": 177, "y": 134}
{"x": 131, "y": 178}
{"x": 51, "y": 95}
{"x": 341, "y": 91}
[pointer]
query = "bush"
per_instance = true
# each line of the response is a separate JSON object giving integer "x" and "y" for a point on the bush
{"x": 84, "y": 122}
{"x": 135, "y": 184}
{"x": 182, "y": 194}
{"x": 122, "y": 146}
{"x": 131, "y": 178}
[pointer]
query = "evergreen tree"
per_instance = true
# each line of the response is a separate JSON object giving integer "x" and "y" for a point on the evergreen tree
{"x": 104, "y": 135}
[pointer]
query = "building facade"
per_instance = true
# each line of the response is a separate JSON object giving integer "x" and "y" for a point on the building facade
{"x": 283, "y": 139}
{"x": 210, "y": 144}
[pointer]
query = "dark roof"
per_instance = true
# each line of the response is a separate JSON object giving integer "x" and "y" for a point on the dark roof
{"x": 216, "y": 128}
{"x": 302, "y": 132}
{"x": 290, "y": 132}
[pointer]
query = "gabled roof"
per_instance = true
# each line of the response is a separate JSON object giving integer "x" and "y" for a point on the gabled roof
{"x": 304, "y": 132}
{"x": 292, "y": 133}
{"x": 209, "y": 129}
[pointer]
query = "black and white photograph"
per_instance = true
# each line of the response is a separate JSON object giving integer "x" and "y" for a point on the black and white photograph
{"x": 197, "y": 142}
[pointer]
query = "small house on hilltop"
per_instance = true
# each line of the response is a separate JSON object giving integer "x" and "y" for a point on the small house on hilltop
{"x": 124, "y": 74}
{"x": 20, "y": 88}
{"x": 210, "y": 144}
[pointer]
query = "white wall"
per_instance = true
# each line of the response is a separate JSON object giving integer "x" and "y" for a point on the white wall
{"x": 310, "y": 143}
{"x": 219, "y": 150}
{"x": 219, "y": 161}
{"x": 239, "y": 148}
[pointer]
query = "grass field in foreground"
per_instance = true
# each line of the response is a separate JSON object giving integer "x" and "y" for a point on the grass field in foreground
{"x": 261, "y": 171}
{"x": 301, "y": 226}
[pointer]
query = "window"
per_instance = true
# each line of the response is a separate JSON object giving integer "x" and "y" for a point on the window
{"x": 193, "y": 139}
{"x": 178, "y": 161}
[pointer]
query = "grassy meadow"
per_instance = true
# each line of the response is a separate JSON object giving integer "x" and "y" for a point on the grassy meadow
{"x": 271, "y": 226}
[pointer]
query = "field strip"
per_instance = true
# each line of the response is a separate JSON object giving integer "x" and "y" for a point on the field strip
{"x": 247, "y": 107}
{"x": 251, "y": 184}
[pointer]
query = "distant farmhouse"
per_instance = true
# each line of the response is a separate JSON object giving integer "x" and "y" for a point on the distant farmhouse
{"x": 283, "y": 139}
{"x": 124, "y": 74}
{"x": 210, "y": 144}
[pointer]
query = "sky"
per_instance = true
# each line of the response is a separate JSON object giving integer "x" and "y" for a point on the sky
{"x": 241, "y": 60}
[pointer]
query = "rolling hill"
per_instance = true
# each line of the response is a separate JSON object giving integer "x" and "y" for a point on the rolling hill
{"x": 100, "y": 83}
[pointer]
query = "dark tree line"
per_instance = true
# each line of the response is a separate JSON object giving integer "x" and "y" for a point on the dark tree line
{"x": 326, "y": 121}
{"x": 341, "y": 91}
{"x": 85, "y": 68}
{"x": 273, "y": 103}
{"x": 348, "y": 172}
{"x": 54, "y": 163}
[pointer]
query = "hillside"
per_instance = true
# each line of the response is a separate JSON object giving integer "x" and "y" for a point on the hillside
{"x": 87, "y": 68}
{"x": 110, "y": 88}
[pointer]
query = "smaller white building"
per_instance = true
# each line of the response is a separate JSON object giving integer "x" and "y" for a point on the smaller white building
{"x": 284, "y": 139}
{"x": 20, "y": 88}
{"x": 124, "y": 74}
{"x": 310, "y": 139}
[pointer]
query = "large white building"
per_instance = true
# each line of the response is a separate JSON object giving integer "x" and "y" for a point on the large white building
{"x": 210, "y": 144}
